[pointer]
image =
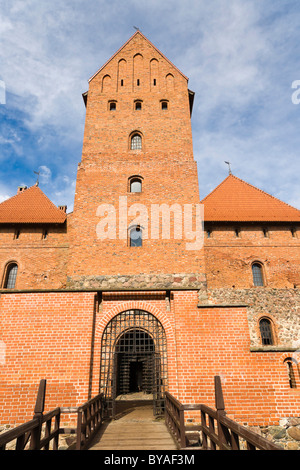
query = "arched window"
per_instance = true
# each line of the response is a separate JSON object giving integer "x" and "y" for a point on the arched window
{"x": 257, "y": 272}
{"x": 135, "y": 185}
{"x": 265, "y": 327}
{"x": 11, "y": 276}
{"x": 291, "y": 367}
{"x": 136, "y": 236}
{"x": 136, "y": 142}
{"x": 138, "y": 105}
{"x": 112, "y": 105}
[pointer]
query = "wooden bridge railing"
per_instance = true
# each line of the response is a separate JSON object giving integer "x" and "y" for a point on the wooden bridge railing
{"x": 216, "y": 431}
{"x": 44, "y": 429}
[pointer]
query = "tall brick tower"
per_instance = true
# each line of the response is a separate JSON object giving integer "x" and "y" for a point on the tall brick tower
{"x": 134, "y": 221}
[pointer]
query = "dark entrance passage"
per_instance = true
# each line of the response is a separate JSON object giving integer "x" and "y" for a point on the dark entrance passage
{"x": 135, "y": 352}
{"x": 133, "y": 360}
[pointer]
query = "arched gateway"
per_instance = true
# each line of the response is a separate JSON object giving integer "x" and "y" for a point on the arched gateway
{"x": 134, "y": 359}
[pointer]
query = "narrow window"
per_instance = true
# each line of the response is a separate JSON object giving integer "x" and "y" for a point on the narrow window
{"x": 17, "y": 234}
{"x": 112, "y": 106}
{"x": 291, "y": 373}
{"x": 257, "y": 274}
{"x": 237, "y": 232}
{"x": 136, "y": 185}
{"x": 136, "y": 142}
{"x": 138, "y": 105}
{"x": 122, "y": 82}
{"x": 45, "y": 234}
{"x": 138, "y": 82}
{"x": 11, "y": 276}
{"x": 266, "y": 332}
{"x": 293, "y": 232}
{"x": 154, "y": 81}
{"x": 136, "y": 236}
{"x": 164, "y": 105}
{"x": 208, "y": 232}
{"x": 265, "y": 232}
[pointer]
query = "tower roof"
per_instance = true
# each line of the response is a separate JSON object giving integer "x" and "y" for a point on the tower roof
{"x": 234, "y": 200}
{"x": 31, "y": 206}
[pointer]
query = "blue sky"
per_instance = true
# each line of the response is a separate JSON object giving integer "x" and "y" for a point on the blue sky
{"x": 241, "y": 57}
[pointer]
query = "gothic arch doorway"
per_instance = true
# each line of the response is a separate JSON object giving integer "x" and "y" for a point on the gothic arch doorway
{"x": 134, "y": 359}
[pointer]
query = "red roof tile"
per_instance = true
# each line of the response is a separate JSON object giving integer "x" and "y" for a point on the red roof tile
{"x": 31, "y": 206}
{"x": 234, "y": 200}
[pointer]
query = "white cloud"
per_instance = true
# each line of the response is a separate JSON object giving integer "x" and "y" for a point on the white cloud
{"x": 44, "y": 174}
{"x": 241, "y": 58}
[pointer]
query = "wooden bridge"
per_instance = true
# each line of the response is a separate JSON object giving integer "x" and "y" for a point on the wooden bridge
{"x": 135, "y": 428}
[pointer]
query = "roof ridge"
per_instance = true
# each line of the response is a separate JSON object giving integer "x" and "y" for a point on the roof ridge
{"x": 265, "y": 193}
{"x": 214, "y": 190}
{"x": 125, "y": 44}
{"x": 253, "y": 187}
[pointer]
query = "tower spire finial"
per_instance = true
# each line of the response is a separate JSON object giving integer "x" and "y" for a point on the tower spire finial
{"x": 37, "y": 180}
{"x": 229, "y": 167}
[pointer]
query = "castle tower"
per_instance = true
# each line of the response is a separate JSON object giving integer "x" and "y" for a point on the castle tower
{"x": 136, "y": 219}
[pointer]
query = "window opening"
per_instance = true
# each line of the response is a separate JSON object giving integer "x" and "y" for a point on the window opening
{"x": 122, "y": 82}
{"x": 136, "y": 236}
{"x": 266, "y": 332}
{"x": 154, "y": 81}
{"x": 266, "y": 233}
{"x": 138, "y": 105}
{"x": 164, "y": 105}
{"x": 11, "y": 276}
{"x": 291, "y": 372}
{"x": 136, "y": 185}
{"x": 136, "y": 142}
{"x": 257, "y": 274}
{"x": 138, "y": 82}
{"x": 112, "y": 106}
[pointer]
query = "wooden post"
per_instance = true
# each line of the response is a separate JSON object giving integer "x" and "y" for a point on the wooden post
{"x": 220, "y": 406}
{"x": 38, "y": 415}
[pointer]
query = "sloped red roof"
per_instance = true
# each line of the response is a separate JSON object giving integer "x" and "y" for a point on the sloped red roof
{"x": 234, "y": 200}
{"x": 31, "y": 206}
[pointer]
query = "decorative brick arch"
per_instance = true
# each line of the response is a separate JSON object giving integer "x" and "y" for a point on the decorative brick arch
{"x": 161, "y": 317}
{"x": 138, "y": 305}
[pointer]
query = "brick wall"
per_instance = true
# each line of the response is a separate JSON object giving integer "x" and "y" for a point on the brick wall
{"x": 42, "y": 262}
{"x": 57, "y": 336}
{"x": 229, "y": 258}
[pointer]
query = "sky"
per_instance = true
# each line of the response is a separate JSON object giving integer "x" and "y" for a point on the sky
{"x": 242, "y": 58}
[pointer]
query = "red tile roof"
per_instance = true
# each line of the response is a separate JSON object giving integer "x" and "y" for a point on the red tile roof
{"x": 31, "y": 206}
{"x": 234, "y": 200}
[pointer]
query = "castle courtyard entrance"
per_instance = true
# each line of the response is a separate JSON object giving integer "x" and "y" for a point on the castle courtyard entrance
{"x": 133, "y": 362}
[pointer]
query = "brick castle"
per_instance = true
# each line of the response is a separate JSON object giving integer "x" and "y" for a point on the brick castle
{"x": 129, "y": 293}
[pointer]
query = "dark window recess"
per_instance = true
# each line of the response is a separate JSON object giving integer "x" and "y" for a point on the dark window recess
{"x": 138, "y": 82}
{"x": 266, "y": 332}
{"x": 291, "y": 373}
{"x": 138, "y": 105}
{"x": 154, "y": 81}
{"x": 122, "y": 82}
{"x": 112, "y": 106}
{"x": 164, "y": 105}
